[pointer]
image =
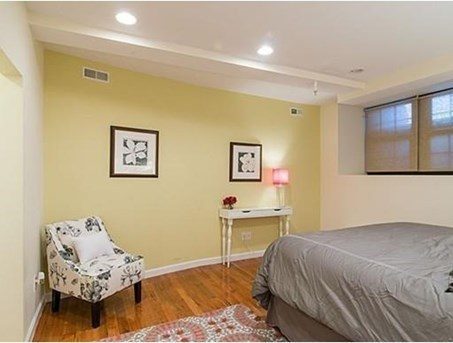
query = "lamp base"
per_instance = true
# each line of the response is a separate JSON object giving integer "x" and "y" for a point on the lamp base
{"x": 281, "y": 196}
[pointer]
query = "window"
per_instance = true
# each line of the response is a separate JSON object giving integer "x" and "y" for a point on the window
{"x": 441, "y": 110}
{"x": 391, "y": 138}
{"x": 436, "y": 132}
{"x": 411, "y": 136}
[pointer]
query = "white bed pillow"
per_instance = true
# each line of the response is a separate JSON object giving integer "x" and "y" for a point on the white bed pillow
{"x": 92, "y": 246}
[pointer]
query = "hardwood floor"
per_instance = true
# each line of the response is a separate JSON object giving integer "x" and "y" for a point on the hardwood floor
{"x": 164, "y": 298}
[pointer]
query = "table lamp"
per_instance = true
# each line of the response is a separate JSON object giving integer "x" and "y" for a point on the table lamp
{"x": 280, "y": 178}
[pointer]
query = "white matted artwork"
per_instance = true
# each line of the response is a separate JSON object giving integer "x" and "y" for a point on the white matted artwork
{"x": 133, "y": 152}
{"x": 245, "y": 161}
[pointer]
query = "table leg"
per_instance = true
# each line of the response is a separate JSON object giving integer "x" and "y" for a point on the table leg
{"x": 223, "y": 234}
{"x": 229, "y": 232}
{"x": 223, "y": 240}
{"x": 280, "y": 226}
{"x": 287, "y": 225}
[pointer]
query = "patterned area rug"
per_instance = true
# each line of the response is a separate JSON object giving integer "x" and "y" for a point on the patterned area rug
{"x": 235, "y": 323}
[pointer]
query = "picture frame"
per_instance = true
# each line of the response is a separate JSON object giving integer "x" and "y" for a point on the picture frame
{"x": 245, "y": 162}
{"x": 134, "y": 152}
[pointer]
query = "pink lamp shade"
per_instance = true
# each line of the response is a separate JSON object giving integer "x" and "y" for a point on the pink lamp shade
{"x": 280, "y": 176}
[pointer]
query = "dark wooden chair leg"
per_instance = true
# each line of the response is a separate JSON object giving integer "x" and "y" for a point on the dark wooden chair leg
{"x": 138, "y": 292}
{"x": 95, "y": 314}
{"x": 55, "y": 301}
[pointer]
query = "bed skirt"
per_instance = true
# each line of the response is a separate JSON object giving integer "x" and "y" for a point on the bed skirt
{"x": 298, "y": 326}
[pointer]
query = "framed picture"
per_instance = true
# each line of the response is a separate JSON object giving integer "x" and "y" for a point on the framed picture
{"x": 245, "y": 162}
{"x": 133, "y": 152}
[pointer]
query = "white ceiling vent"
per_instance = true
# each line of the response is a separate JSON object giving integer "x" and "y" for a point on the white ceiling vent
{"x": 295, "y": 112}
{"x": 96, "y": 75}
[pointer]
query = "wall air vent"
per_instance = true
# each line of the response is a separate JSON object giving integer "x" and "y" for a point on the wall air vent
{"x": 295, "y": 112}
{"x": 96, "y": 75}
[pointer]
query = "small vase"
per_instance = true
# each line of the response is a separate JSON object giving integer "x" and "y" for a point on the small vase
{"x": 230, "y": 207}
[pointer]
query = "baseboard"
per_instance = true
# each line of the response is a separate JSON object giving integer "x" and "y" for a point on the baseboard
{"x": 185, "y": 265}
{"x": 34, "y": 321}
{"x": 198, "y": 263}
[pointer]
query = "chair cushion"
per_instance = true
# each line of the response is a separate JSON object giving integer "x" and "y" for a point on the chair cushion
{"x": 92, "y": 246}
{"x": 105, "y": 263}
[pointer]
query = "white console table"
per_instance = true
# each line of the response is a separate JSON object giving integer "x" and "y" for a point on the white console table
{"x": 243, "y": 213}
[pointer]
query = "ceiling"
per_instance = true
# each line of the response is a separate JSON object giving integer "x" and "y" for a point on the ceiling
{"x": 214, "y": 43}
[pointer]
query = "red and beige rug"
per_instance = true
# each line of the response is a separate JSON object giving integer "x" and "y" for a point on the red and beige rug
{"x": 235, "y": 323}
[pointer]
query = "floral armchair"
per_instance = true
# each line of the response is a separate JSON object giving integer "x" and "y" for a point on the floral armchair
{"x": 93, "y": 280}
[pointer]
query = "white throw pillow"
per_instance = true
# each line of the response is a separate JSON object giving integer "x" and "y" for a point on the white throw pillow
{"x": 92, "y": 246}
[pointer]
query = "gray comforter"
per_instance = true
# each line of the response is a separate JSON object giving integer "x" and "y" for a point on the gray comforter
{"x": 381, "y": 282}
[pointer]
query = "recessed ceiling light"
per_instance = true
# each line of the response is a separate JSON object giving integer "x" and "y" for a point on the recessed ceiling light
{"x": 265, "y": 50}
{"x": 126, "y": 18}
{"x": 357, "y": 70}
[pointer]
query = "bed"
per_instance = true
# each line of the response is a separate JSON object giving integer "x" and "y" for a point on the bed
{"x": 384, "y": 282}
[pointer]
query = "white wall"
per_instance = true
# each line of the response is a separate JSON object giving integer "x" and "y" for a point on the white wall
{"x": 17, "y": 43}
{"x": 348, "y": 200}
{"x": 351, "y": 137}
{"x": 11, "y": 208}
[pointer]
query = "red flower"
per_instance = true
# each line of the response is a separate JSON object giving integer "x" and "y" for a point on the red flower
{"x": 230, "y": 200}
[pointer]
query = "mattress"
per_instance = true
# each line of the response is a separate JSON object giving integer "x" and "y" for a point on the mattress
{"x": 383, "y": 282}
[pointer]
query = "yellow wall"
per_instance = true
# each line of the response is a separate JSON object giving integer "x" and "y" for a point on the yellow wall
{"x": 173, "y": 218}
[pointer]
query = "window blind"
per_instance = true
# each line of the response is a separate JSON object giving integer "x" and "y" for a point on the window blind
{"x": 436, "y": 132}
{"x": 391, "y": 137}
